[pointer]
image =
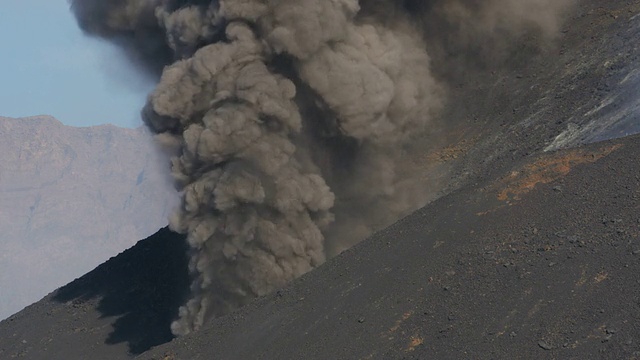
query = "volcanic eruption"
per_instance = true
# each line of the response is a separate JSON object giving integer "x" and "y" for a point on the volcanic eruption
{"x": 291, "y": 121}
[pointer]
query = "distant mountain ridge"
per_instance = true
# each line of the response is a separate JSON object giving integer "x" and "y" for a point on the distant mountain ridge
{"x": 70, "y": 198}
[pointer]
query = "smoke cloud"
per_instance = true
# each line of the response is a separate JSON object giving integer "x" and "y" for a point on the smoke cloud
{"x": 471, "y": 34}
{"x": 291, "y": 120}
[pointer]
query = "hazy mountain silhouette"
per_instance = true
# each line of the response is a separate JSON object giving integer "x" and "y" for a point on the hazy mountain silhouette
{"x": 70, "y": 197}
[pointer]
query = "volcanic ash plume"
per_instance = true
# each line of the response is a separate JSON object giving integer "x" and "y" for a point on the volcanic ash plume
{"x": 291, "y": 119}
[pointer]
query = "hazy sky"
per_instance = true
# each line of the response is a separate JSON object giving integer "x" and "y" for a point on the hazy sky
{"x": 47, "y": 66}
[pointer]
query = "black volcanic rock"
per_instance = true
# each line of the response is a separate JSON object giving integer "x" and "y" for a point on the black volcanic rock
{"x": 536, "y": 275}
{"x": 124, "y": 306}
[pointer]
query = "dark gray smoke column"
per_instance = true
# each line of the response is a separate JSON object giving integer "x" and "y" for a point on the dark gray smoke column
{"x": 290, "y": 117}
{"x": 257, "y": 150}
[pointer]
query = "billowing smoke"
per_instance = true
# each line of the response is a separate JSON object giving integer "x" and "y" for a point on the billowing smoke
{"x": 290, "y": 119}
{"x": 472, "y": 32}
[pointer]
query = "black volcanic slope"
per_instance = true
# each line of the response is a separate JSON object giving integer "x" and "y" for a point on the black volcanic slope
{"x": 502, "y": 270}
{"x": 127, "y": 304}
{"x": 528, "y": 253}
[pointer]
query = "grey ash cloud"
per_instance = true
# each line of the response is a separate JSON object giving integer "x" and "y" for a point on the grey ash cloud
{"x": 290, "y": 120}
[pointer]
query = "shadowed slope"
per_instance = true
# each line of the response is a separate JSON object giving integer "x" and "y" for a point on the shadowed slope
{"x": 126, "y": 304}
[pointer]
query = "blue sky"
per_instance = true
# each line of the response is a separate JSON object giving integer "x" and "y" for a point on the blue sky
{"x": 47, "y": 66}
